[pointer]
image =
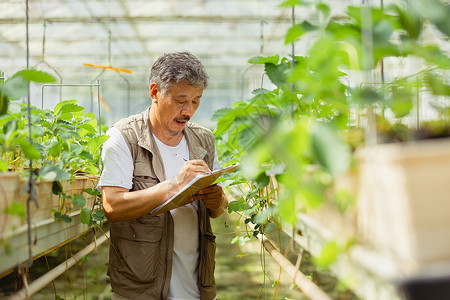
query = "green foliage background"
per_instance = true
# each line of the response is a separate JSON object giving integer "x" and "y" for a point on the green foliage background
{"x": 294, "y": 140}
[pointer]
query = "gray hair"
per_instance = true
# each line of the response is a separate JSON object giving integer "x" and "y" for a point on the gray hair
{"x": 173, "y": 68}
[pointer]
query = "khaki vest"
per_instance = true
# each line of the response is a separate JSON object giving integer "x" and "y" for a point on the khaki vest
{"x": 140, "y": 255}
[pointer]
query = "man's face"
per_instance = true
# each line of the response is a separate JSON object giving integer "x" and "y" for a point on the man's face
{"x": 177, "y": 106}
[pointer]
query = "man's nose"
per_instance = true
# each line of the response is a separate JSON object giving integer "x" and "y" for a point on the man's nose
{"x": 188, "y": 109}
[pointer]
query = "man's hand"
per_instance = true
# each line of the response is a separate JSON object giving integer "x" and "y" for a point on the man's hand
{"x": 213, "y": 198}
{"x": 189, "y": 170}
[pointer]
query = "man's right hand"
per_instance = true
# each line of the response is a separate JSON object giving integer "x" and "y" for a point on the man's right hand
{"x": 189, "y": 170}
{"x": 120, "y": 204}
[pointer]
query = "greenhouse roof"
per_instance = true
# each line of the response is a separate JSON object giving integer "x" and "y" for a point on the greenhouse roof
{"x": 130, "y": 35}
{"x": 76, "y": 38}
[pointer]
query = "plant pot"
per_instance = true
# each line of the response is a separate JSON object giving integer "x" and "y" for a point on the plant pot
{"x": 49, "y": 201}
{"x": 403, "y": 205}
{"x": 47, "y": 231}
{"x": 9, "y": 192}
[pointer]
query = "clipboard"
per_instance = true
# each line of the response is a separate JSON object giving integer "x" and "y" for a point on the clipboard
{"x": 182, "y": 197}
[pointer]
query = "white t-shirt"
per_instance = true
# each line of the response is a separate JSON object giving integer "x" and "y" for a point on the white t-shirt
{"x": 118, "y": 170}
{"x": 183, "y": 283}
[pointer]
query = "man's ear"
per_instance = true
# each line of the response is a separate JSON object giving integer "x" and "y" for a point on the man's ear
{"x": 154, "y": 92}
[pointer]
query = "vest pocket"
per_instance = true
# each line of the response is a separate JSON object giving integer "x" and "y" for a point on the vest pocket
{"x": 138, "y": 243}
{"x": 144, "y": 177}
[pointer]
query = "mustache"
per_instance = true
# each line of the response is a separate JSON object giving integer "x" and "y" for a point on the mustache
{"x": 183, "y": 118}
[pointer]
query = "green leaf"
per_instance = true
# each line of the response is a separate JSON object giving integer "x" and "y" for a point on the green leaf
{"x": 433, "y": 55}
{"x": 437, "y": 85}
{"x": 443, "y": 24}
{"x": 65, "y": 218}
{"x": 312, "y": 196}
{"x": 16, "y": 87}
{"x": 85, "y": 216}
{"x": 89, "y": 128}
{"x": 67, "y": 135}
{"x": 79, "y": 200}
{"x": 297, "y": 30}
{"x": 16, "y": 209}
{"x": 277, "y": 73}
{"x": 290, "y": 3}
{"x": 36, "y": 75}
{"x": 259, "y": 60}
{"x": 294, "y": 33}
{"x": 3, "y": 166}
{"x": 95, "y": 143}
{"x": 29, "y": 150}
{"x": 286, "y": 210}
{"x": 90, "y": 115}
{"x": 239, "y": 205}
{"x": 92, "y": 192}
{"x": 93, "y": 170}
{"x": 401, "y": 101}
{"x": 52, "y": 172}
{"x": 436, "y": 11}
{"x": 55, "y": 148}
{"x": 324, "y": 9}
{"x": 7, "y": 247}
{"x": 61, "y": 104}
{"x": 57, "y": 187}
{"x": 36, "y": 131}
{"x": 328, "y": 255}
{"x": 366, "y": 95}
{"x": 411, "y": 22}
{"x": 329, "y": 148}
{"x": 67, "y": 111}
{"x": 99, "y": 215}
{"x": 86, "y": 155}
{"x": 263, "y": 216}
{"x": 4, "y": 100}
{"x": 226, "y": 118}
{"x": 262, "y": 180}
{"x": 260, "y": 91}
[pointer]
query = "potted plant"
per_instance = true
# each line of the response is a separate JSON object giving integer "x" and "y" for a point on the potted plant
{"x": 64, "y": 156}
{"x": 403, "y": 194}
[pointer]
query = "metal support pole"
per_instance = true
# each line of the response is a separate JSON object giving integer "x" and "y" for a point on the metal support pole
{"x": 64, "y": 84}
{"x": 43, "y": 61}
{"x": 96, "y": 79}
{"x": 30, "y": 183}
{"x": 98, "y": 104}
{"x": 128, "y": 93}
{"x": 91, "y": 85}
{"x": 293, "y": 61}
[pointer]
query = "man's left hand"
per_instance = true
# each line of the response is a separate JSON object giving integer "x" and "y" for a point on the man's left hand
{"x": 213, "y": 198}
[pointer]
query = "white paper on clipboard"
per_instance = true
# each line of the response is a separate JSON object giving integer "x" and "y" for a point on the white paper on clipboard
{"x": 199, "y": 182}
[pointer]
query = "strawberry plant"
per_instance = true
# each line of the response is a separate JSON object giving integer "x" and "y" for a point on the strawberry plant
{"x": 65, "y": 142}
{"x": 302, "y": 131}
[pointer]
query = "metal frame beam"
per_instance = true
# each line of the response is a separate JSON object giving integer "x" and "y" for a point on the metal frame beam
{"x": 146, "y": 19}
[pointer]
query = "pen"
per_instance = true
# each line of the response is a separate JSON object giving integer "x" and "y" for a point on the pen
{"x": 180, "y": 157}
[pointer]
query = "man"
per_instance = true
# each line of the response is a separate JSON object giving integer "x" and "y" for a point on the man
{"x": 147, "y": 159}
